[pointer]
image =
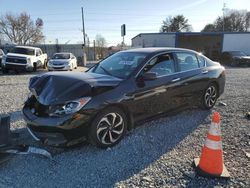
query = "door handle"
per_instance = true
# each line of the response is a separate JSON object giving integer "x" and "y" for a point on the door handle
{"x": 176, "y": 79}
{"x": 204, "y": 71}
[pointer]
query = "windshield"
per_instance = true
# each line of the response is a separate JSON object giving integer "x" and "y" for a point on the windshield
{"x": 238, "y": 53}
{"x": 25, "y": 51}
{"x": 61, "y": 56}
{"x": 120, "y": 65}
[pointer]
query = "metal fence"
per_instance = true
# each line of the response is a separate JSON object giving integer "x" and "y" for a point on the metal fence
{"x": 50, "y": 49}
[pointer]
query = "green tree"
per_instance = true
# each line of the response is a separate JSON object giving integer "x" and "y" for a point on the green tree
{"x": 175, "y": 24}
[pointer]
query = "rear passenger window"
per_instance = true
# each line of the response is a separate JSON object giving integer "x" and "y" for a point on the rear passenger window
{"x": 187, "y": 61}
{"x": 202, "y": 61}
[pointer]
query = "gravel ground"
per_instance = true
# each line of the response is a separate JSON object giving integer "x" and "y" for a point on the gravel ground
{"x": 157, "y": 154}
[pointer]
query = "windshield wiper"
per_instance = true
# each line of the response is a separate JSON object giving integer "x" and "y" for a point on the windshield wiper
{"x": 105, "y": 70}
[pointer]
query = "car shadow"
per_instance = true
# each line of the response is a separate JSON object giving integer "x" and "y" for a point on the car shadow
{"x": 89, "y": 166}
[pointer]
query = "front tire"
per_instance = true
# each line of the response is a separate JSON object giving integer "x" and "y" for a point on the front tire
{"x": 210, "y": 96}
{"x": 5, "y": 71}
{"x": 234, "y": 63}
{"x": 45, "y": 64}
{"x": 34, "y": 67}
{"x": 108, "y": 127}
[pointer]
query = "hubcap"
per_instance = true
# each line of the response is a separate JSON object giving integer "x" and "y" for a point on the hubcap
{"x": 210, "y": 96}
{"x": 110, "y": 128}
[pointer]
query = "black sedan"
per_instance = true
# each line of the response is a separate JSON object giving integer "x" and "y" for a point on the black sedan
{"x": 235, "y": 58}
{"x": 102, "y": 104}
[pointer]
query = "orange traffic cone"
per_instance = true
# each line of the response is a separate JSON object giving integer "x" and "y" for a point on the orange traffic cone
{"x": 211, "y": 163}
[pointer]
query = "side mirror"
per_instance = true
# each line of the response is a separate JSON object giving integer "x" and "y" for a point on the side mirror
{"x": 150, "y": 76}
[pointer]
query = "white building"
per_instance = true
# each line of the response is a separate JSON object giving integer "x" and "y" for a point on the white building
{"x": 210, "y": 43}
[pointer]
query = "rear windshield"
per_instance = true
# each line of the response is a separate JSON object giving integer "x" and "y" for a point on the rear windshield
{"x": 61, "y": 56}
{"x": 25, "y": 51}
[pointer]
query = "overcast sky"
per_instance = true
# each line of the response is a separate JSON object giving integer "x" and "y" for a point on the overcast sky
{"x": 62, "y": 18}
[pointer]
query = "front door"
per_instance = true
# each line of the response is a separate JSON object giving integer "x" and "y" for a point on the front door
{"x": 152, "y": 97}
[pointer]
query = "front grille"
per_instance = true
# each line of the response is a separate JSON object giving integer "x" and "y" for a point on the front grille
{"x": 18, "y": 60}
{"x": 58, "y": 67}
{"x": 55, "y": 63}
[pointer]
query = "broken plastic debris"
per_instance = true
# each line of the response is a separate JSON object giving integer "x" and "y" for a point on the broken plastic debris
{"x": 248, "y": 115}
{"x": 222, "y": 104}
{"x": 24, "y": 150}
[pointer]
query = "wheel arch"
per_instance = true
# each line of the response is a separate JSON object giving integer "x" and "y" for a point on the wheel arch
{"x": 127, "y": 113}
{"x": 216, "y": 83}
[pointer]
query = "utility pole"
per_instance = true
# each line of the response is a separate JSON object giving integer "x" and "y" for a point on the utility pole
{"x": 88, "y": 47}
{"x": 84, "y": 40}
{"x": 223, "y": 11}
{"x": 94, "y": 51}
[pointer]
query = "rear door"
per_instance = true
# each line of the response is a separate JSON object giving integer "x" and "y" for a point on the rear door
{"x": 191, "y": 76}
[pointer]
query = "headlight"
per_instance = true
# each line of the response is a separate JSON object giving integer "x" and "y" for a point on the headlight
{"x": 50, "y": 62}
{"x": 66, "y": 63}
{"x": 4, "y": 59}
{"x": 28, "y": 60}
{"x": 70, "y": 107}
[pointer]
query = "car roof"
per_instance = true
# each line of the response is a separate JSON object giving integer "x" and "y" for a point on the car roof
{"x": 158, "y": 50}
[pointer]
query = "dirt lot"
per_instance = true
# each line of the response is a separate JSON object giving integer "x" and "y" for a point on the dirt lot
{"x": 156, "y": 154}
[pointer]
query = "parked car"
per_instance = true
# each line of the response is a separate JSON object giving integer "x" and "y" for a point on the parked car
{"x": 235, "y": 58}
{"x": 62, "y": 61}
{"x": 24, "y": 58}
{"x": 1, "y": 56}
{"x": 103, "y": 103}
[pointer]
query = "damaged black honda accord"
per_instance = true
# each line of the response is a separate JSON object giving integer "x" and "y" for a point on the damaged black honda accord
{"x": 103, "y": 103}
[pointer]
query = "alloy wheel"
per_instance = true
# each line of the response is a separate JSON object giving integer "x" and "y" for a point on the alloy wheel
{"x": 210, "y": 96}
{"x": 110, "y": 128}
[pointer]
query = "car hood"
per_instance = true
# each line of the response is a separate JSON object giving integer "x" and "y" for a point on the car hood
{"x": 242, "y": 57}
{"x": 18, "y": 55}
{"x": 58, "y": 88}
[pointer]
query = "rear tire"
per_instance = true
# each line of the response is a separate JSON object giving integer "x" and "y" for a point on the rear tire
{"x": 108, "y": 127}
{"x": 210, "y": 96}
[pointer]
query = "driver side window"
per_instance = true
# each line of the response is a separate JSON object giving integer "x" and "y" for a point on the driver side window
{"x": 162, "y": 65}
{"x": 37, "y": 53}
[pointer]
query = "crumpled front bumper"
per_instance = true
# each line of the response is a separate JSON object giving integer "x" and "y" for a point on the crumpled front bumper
{"x": 57, "y": 131}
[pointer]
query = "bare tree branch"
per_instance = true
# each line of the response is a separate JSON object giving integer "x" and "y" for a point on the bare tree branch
{"x": 21, "y": 29}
